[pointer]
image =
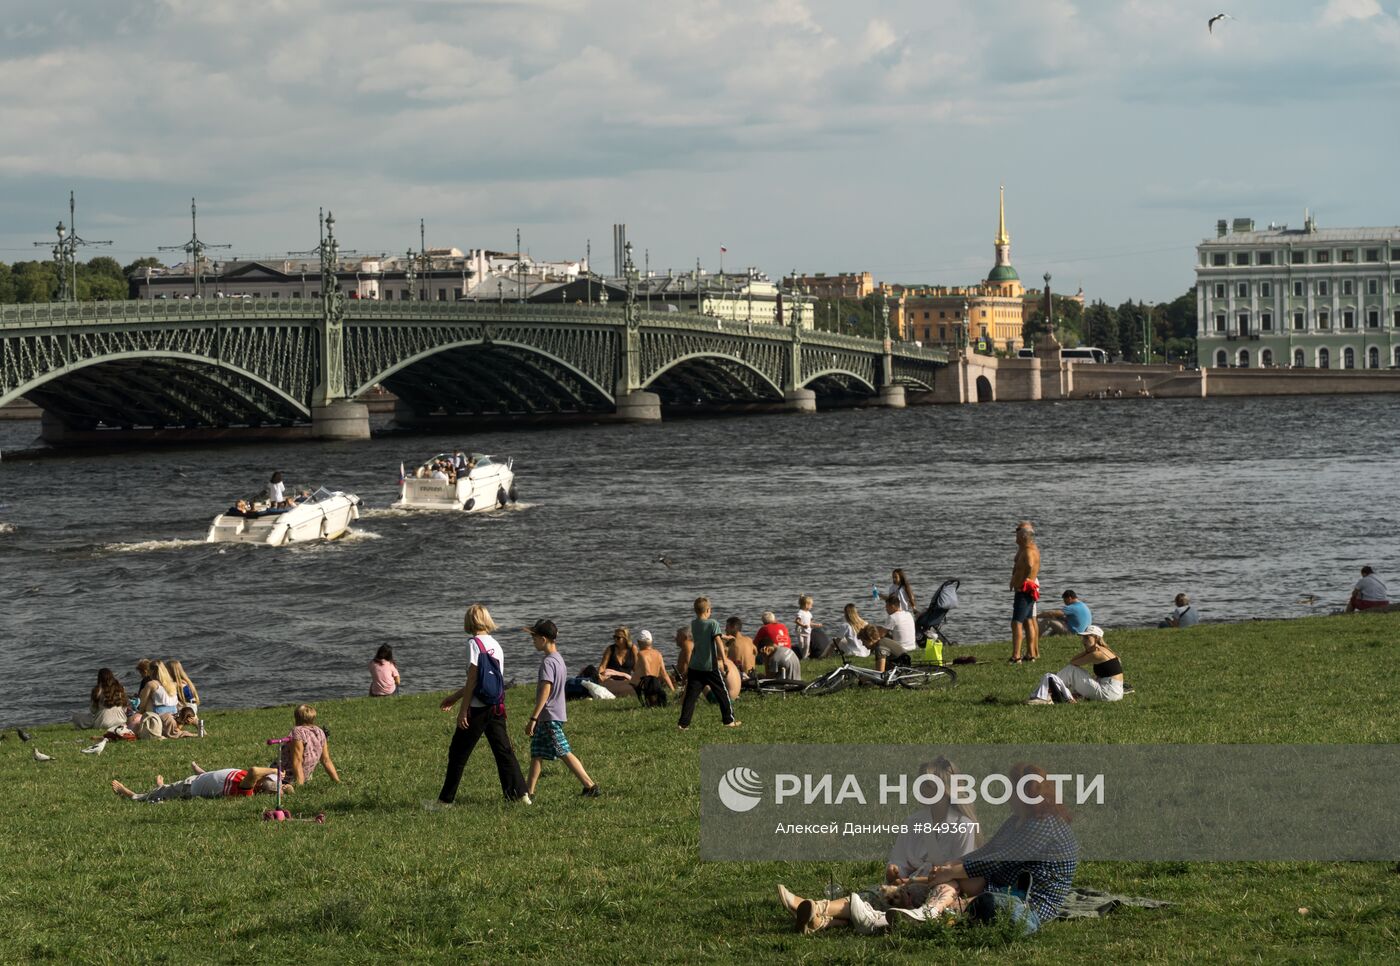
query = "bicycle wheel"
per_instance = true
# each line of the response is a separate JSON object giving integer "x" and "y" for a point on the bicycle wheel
{"x": 778, "y": 686}
{"x": 829, "y": 683}
{"x": 927, "y": 676}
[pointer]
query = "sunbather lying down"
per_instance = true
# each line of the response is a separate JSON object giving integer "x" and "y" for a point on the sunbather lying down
{"x": 224, "y": 783}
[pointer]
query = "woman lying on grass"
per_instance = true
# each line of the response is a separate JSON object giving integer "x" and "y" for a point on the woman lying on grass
{"x": 906, "y": 890}
{"x": 224, "y": 783}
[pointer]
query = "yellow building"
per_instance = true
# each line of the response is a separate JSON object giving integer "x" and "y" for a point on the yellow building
{"x": 955, "y": 315}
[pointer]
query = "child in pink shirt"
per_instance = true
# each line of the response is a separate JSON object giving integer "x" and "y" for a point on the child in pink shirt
{"x": 383, "y": 673}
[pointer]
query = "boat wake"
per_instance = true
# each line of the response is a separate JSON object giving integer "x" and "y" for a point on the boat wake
{"x": 147, "y": 546}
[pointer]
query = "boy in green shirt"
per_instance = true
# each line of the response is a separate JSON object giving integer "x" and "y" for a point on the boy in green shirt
{"x": 708, "y": 666}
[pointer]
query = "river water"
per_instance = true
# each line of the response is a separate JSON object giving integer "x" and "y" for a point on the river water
{"x": 1246, "y": 504}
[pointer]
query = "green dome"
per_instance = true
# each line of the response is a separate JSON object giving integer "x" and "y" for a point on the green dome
{"x": 1003, "y": 273}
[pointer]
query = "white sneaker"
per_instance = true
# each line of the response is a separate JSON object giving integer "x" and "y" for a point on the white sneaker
{"x": 864, "y": 919}
{"x": 898, "y": 919}
{"x": 526, "y": 800}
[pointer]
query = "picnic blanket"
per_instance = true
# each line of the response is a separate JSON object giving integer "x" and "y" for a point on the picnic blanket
{"x": 1094, "y": 904}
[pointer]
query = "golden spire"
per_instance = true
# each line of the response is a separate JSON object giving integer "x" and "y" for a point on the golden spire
{"x": 1002, "y": 237}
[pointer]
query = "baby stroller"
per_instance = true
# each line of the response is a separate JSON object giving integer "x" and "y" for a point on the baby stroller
{"x": 930, "y": 622}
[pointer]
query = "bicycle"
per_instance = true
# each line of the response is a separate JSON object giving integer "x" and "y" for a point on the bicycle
{"x": 908, "y": 676}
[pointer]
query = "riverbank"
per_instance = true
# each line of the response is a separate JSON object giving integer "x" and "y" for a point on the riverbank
{"x": 94, "y": 878}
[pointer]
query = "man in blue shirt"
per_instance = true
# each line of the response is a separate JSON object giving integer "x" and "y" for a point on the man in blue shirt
{"x": 1075, "y": 614}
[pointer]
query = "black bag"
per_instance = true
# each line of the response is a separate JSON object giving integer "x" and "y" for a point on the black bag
{"x": 650, "y": 692}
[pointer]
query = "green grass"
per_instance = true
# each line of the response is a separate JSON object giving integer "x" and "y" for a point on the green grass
{"x": 89, "y": 877}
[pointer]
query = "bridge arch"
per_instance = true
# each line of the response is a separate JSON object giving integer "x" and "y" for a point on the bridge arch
{"x": 837, "y": 375}
{"x": 710, "y": 376}
{"x": 158, "y": 388}
{"x": 498, "y": 375}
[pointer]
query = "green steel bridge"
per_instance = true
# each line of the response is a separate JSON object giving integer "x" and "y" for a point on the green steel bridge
{"x": 218, "y": 364}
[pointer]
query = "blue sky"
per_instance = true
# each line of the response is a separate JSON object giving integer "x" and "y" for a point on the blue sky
{"x": 805, "y": 134}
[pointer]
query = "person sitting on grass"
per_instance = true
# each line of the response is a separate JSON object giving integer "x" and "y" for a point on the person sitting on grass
{"x": 742, "y": 651}
{"x": 545, "y": 729}
{"x": 650, "y": 678}
{"x": 1072, "y": 618}
{"x": 895, "y": 639}
{"x": 307, "y": 748}
{"x": 383, "y": 673}
{"x": 223, "y": 783}
{"x": 108, "y": 705}
{"x": 1370, "y": 593}
{"x": 1183, "y": 615}
{"x": 912, "y": 858}
{"x": 618, "y": 662}
{"x": 1025, "y": 872}
{"x": 685, "y": 647}
{"x": 1103, "y": 682}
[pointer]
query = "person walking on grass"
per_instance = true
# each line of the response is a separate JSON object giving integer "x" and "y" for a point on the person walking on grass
{"x": 545, "y": 729}
{"x": 483, "y": 712}
{"x": 708, "y": 666}
{"x": 1025, "y": 584}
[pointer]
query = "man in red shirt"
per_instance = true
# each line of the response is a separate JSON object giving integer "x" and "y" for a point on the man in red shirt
{"x": 775, "y": 644}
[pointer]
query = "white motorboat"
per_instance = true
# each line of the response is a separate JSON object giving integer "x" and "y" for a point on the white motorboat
{"x": 325, "y": 515}
{"x": 486, "y": 486}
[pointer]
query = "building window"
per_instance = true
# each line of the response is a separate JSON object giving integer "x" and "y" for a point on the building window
{"x": 1348, "y": 358}
{"x": 1266, "y": 290}
{"x": 1242, "y": 360}
{"x": 1348, "y": 287}
{"x": 1220, "y": 290}
{"x": 1220, "y": 358}
{"x": 1373, "y": 255}
{"x": 1241, "y": 258}
{"x": 942, "y": 314}
{"x": 1373, "y": 286}
{"x": 1324, "y": 358}
{"x": 1266, "y": 357}
{"x": 1373, "y": 358}
{"x": 1219, "y": 258}
{"x": 1298, "y": 362}
{"x": 1242, "y": 290}
{"x": 1220, "y": 322}
{"x": 942, "y": 333}
{"x": 1299, "y": 322}
{"x": 1298, "y": 258}
{"x": 1397, "y": 318}
{"x": 1265, "y": 258}
{"x": 1348, "y": 319}
{"x": 1298, "y": 290}
{"x": 1397, "y": 357}
{"x": 1322, "y": 257}
{"x": 1323, "y": 288}
{"x": 1373, "y": 318}
{"x": 1266, "y": 321}
{"x": 1397, "y": 286}
{"x": 315, "y": 294}
{"x": 388, "y": 295}
{"x": 1243, "y": 320}
{"x": 1347, "y": 255}
{"x": 1324, "y": 321}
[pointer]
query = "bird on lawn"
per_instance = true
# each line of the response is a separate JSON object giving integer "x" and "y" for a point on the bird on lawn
{"x": 1210, "y": 24}
{"x": 96, "y": 749}
{"x": 23, "y": 735}
{"x": 40, "y": 756}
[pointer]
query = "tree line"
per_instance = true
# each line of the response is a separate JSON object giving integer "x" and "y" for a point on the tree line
{"x": 100, "y": 279}
{"x": 1170, "y": 326}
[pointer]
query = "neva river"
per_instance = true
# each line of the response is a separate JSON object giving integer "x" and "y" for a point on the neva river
{"x": 1247, "y": 505}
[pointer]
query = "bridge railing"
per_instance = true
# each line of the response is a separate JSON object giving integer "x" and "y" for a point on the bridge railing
{"x": 49, "y": 314}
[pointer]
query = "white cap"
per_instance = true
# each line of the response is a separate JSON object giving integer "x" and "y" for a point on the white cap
{"x": 644, "y": 636}
{"x": 1093, "y": 630}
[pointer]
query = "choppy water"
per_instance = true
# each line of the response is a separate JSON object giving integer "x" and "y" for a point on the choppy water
{"x": 1245, "y": 504}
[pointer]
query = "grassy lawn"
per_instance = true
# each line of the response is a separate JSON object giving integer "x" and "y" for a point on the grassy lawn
{"x": 90, "y": 877}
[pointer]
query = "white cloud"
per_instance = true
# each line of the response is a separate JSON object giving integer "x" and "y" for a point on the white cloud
{"x": 1339, "y": 11}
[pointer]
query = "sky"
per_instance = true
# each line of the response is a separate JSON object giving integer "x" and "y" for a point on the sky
{"x": 813, "y": 135}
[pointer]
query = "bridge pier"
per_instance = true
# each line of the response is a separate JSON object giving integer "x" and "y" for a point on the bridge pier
{"x": 340, "y": 419}
{"x": 639, "y": 406}
{"x": 892, "y": 396}
{"x": 800, "y": 401}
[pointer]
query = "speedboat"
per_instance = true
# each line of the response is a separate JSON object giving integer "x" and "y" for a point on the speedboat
{"x": 486, "y": 486}
{"x": 324, "y": 515}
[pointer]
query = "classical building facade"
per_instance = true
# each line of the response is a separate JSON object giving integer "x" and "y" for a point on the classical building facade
{"x": 846, "y": 285}
{"x": 992, "y": 311}
{"x": 1304, "y": 297}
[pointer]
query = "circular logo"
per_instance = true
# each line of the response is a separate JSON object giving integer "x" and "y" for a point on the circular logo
{"x": 740, "y": 789}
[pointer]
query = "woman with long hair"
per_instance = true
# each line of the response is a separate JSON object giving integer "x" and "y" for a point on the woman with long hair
{"x": 899, "y": 584}
{"x": 159, "y": 693}
{"x": 849, "y": 642}
{"x": 187, "y": 695}
{"x": 477, "y": 718}
{"x": 383, "y": 673}
{"x": 108, "y": 704}
{"x": 619, "y": 662}
{"x": 914, "y": 855}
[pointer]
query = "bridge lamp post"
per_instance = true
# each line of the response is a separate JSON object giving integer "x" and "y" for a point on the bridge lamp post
{"x": 1147, "y": 334}
{"x": 408, "y": 273}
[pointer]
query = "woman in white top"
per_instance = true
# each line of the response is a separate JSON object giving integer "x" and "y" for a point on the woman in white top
{"x": 476, "y": 719}
{"x": 276, "y": 491}
{"x": 899, "y": 584}
{"x": 159, "y": 693}
{"x": 849, "y": 642}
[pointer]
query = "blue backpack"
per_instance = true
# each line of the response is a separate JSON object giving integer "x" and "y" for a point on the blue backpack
{"x": 490, "y": 685}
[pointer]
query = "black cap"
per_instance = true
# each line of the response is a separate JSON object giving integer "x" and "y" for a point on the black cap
{"x": 545, "y": 629}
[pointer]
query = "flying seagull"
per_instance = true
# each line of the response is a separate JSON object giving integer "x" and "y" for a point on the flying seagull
{"x": 1210, "y": 24}
{"x": 663, "y": 559}
{"x": 40, "y": 756}
{"x": 96, "y": 749}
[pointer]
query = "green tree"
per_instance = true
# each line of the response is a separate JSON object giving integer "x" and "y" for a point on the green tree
{"x": 1068, "y": 324}
{"x": 7, "y": 284}
{"x": 101, "y": 288}
{"x": 1101, "y": 326}
{"x": 35, "y": 281}
{"x": 142, "y": 263}
{"x": 1130, "y": 318}
{"x": 106, "y": 267}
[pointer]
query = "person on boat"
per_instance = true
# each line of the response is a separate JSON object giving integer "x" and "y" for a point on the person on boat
{"x": 222, "y": 783}
{"x": 240, "y": 509}
{"x": 459, "y": 460}
{"x": 439, "y": 471}
{"x": 277, "y": 493}
{"x": 1102, "y": 682}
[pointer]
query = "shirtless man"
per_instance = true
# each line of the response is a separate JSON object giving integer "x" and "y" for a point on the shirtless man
{"x": 1025, "y": 584}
